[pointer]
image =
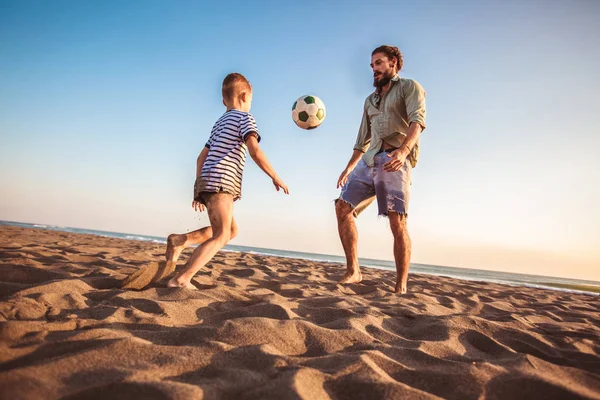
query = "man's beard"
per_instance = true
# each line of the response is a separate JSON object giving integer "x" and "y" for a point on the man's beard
{"x": 381, "y": 80}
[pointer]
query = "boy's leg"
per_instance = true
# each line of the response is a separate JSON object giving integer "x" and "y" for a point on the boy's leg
{"x": 220, "y": 214}
{"x": 176, "y": 243}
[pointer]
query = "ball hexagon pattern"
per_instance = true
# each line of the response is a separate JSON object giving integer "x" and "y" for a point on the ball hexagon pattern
{"x": 308, "y": 112}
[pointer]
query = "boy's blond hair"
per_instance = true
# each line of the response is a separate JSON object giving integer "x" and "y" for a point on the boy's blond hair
{"x": 234, "y": 84}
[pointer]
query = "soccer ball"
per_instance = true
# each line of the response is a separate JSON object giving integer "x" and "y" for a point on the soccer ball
{"x": 308, "y": 112}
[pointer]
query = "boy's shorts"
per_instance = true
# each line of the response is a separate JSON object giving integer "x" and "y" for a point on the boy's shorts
{"x": 202, "y": 196}
{"x": 392, "y": 189}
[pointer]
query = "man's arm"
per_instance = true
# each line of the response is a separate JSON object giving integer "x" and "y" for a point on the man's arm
{"x": 356, "y": 155}
{"x": 414, "y": 97}
{"x": 363, "y": 140}
{"x": 263, "y": 163}
{"x": 412, "y": 137}
{"x": 398, "y": 157}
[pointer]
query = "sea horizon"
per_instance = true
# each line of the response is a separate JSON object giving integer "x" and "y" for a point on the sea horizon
{"x": 466, "y": 273}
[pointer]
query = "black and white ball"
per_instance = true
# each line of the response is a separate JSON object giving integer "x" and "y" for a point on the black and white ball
{"x": 308, "y": 112}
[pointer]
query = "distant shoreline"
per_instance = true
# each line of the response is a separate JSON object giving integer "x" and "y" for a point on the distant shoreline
{"x": 470, "y": 274}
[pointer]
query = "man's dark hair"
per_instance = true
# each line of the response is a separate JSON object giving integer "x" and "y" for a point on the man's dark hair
{"x": 391, "y": 52}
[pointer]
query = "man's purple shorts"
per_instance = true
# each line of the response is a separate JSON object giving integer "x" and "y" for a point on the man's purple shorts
{"x": 392, "y": 189}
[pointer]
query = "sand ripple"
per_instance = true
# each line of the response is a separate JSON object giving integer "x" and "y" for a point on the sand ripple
{"x": 273, "y": 328}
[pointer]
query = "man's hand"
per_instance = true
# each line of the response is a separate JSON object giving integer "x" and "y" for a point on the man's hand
{"x": 343, "y": 178}
{"x": 280, "y": 185}
{"x": 197, "y": 206}
{"x": 398, "y": 157}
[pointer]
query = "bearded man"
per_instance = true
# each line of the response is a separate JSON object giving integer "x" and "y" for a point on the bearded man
{"x": 386, "y": 151}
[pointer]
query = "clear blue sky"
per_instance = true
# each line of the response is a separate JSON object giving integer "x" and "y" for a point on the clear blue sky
{"x": 104, "y": 106}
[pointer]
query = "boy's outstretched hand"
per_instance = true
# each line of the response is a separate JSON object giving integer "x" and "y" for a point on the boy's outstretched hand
{"x": 280, "y": 185}
{"x": 260, "y": 159}
{"x": 197, "y": 206}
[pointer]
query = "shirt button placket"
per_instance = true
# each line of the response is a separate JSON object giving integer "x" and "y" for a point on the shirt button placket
{"x": 382, "y": 117}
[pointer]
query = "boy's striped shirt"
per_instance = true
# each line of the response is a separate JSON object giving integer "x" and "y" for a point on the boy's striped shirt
{"x": 222, "y": 171}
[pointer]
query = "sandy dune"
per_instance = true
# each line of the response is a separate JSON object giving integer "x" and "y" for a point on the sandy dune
{"x": 274, "y": 328}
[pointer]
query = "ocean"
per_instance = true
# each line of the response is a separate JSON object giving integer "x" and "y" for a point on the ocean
{"x": 538, "y": 281}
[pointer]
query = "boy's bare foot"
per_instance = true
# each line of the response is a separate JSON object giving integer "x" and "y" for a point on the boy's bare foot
{"x": 178, "y": 282}
{"x": 164, "y": 269}
{"x": 351, "y": 277}
{"x": 175, "y": 245}
{"x": 400, "y": 288}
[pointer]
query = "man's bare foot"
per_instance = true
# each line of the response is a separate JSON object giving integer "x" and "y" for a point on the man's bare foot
{"x": 351, "y": 277}
{"x": 178, "y": 282}
{"x": 175, "y": 245}
{"x": 400, "y": 288}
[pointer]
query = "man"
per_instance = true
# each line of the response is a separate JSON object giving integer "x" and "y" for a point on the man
{"x": 386, "y": 150}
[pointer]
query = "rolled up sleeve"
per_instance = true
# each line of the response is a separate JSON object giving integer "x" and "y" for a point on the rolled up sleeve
{"x": 364, "y": 133}
{"x": 414, "y": 97}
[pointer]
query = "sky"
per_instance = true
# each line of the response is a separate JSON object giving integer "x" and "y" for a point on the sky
{"x": 105, "y": 105}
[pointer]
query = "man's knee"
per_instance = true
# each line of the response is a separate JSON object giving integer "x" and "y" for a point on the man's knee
{"x": 397, "y": 222}
{"x": 342, "y": 208}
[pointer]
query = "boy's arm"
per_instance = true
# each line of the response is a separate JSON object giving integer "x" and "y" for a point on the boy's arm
{"x": 196, "y": 205}
{"x": 261, "y": 160}
{"x": 200, "y": 161}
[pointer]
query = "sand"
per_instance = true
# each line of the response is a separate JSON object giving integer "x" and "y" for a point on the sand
{"x": 274, "y": 328}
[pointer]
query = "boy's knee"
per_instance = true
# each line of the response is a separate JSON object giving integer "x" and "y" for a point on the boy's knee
{"x": 175, "y": 239}
{"x": 234, "y": 232}
{"x": 223, "y": 238}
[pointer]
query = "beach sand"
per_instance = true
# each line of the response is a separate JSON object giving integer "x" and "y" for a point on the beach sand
{"x": 264, "y": 327}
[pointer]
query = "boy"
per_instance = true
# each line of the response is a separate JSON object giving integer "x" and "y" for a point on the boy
{"x": 218, "y": 183}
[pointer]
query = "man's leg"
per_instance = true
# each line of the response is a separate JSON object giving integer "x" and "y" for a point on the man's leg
{"x": 356, "y": 195}
{"x": 349, "y": 238}
{"x": 220, "y": 214}
{"x": 176, "y": 243}
{"x": 393, "y": 195}
{"x": 401, "y": 250}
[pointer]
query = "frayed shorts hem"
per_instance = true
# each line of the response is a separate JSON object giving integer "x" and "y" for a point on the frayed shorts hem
{"x": 360, "y": 207}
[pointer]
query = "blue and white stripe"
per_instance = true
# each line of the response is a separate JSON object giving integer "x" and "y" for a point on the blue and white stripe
{"x": 222, "y": 171}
